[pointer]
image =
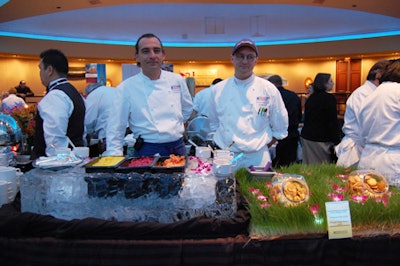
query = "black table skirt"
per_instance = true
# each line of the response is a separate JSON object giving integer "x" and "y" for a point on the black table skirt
{"x": 239, "y": 250}
{"x": 32, "y": 239}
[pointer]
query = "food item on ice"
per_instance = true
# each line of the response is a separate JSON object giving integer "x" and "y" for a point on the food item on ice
{"x": 143, "y": 161}
{"x": 108, "y": 161}
{"x": 172, "y": 161}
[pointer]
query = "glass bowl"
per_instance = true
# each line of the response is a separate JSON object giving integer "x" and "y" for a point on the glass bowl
{"x": 290, "y": 190}
{"x": 367, "y": 182}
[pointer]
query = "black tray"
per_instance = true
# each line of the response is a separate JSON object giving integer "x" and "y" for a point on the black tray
{"x": 91, "y": 168}
{"x": 125, "y": 168}
{"x": 172, "y": 169}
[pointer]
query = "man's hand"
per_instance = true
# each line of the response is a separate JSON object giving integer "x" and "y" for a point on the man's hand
{"x": 272, "y": 142}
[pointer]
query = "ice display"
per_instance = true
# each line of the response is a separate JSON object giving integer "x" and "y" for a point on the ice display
{"x": 162, "y": 197}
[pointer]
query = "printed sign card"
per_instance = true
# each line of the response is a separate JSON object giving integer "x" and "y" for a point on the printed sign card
{"x": 338, "y": 219}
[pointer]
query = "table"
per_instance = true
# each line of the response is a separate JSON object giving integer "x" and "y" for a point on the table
{"x": 33, "y": 239}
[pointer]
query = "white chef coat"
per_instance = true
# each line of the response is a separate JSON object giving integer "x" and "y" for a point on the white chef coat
{"x": 12, "y": 101}
{"x": 201, "y": 101}
{"x": 380, "y": 128}
{"x": 55, "y": 108}
{"x": 154, "y": 109}
{"x": 349, "y": 149}
{"x": 99, "y": 106}
{"x": 249, "y": 112}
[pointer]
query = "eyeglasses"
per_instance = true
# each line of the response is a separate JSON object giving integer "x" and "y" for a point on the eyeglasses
{"x": 249, "y": 58}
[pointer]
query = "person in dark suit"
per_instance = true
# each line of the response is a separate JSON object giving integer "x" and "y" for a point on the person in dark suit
{"x": 286, "y": 149}
{"x": 61, "y": 112}
{"x": 23, "y": 90}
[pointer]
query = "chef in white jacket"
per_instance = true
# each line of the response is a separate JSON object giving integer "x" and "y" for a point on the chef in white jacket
{"x": 247, "y": 112}
{"x": 155, "y": 104}
{"x": 380, "y": 126}
{"x": 349, "y": 149}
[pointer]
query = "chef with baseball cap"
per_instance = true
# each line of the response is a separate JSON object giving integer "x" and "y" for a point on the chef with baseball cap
{"x": 247, "y": 112}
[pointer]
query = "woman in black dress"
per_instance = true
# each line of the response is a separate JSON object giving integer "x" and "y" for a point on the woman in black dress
{"x": 321, "y": 128}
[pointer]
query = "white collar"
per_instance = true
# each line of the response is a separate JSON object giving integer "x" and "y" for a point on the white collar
{"x": 57, "y": 82}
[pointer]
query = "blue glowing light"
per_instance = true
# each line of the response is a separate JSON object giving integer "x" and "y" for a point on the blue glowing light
{"x": 3, "y": 2}
{"x": 182, "y": 44}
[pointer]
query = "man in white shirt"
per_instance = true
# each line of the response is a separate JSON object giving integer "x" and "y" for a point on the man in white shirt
{"x": 154, "y": 103}
{"x": 246, "y": 111}
{"x": 11, "y": 100}
{"x": 201, "y": 101}
{"x": 61, "y": 112}
{"x": 349, "y": 149}
{"x": 99, "y": 106}
{"x": 379, "y": 121}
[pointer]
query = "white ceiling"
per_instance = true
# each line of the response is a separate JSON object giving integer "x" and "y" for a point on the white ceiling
{"x": 198, "y": 24}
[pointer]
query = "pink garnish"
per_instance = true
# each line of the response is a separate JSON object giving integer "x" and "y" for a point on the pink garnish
{"x": 342, "y": 176}
{"x": 254, "y": 191}
{"x": 315, "y": 209}
{"x": 265, "y": 205}
{"x": 262, "y": 198}
{"x": 336, "y": 197}
{"x": 339, "y": 189}
{"x": 384, "y": 200}
{"x": 203, "y": 168}
{"x": 360, "y": 199}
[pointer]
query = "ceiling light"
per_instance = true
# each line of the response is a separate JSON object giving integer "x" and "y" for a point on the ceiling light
{"x": 258, "y": 26}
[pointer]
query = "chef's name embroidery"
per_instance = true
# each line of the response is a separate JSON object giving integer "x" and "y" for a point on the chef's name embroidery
{"x": 175, "y": 88}
{"x": 262, "y": 100}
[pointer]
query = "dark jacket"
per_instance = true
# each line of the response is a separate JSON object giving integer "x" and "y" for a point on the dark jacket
{"x": 293, "y": 107}
{"x": 320, "y": 118}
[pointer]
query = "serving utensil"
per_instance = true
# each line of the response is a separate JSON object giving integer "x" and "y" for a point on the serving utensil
{"x": 71, "y": 143}
{"x": 192, "y": 142}
{"x": 230, "y": 145}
